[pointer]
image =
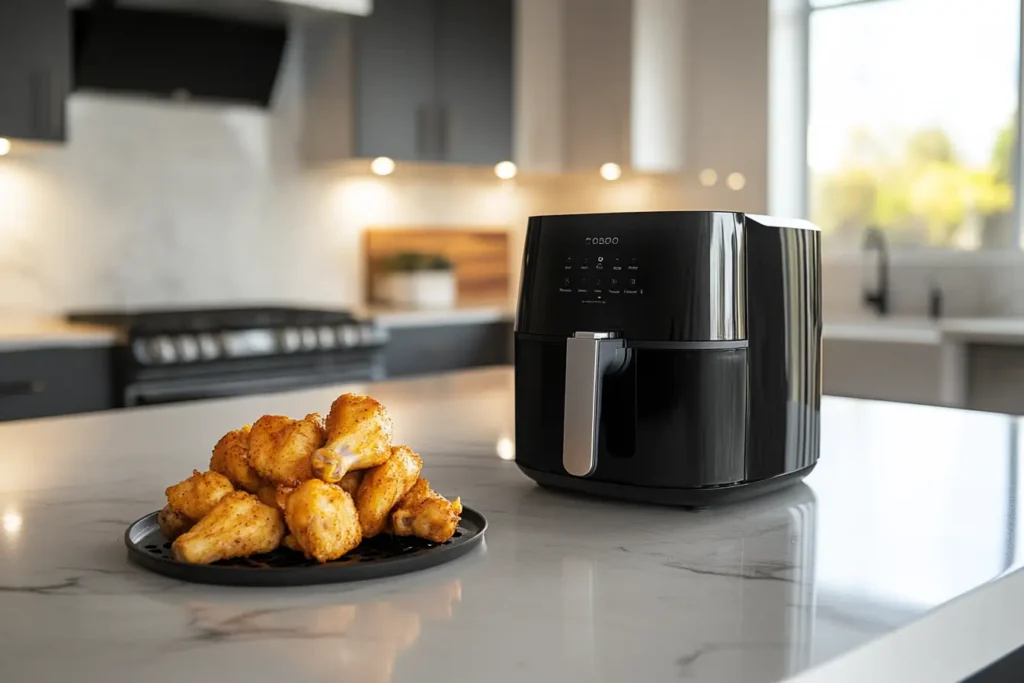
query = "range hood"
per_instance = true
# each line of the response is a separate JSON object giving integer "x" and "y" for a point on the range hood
{"x": 203, "y": 50}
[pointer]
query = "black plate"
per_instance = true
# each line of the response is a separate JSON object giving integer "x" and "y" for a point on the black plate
{"x": 380, "y": 556}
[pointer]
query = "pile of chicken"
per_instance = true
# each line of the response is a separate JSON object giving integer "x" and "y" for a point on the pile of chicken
{"x": 315, "y": 487}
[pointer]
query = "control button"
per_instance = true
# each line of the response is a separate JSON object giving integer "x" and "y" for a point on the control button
{"x": 617, "y": 264}
{"x": 290, "y": 340}
{"x": 208, "y": 347}
{"x": 187, "y": 348}
{"x": 566, "y": 282}
{"x": 309, "y": 338}
{"x": 631, "y": 286}
{"x": 632, "y": 265}
{"x": 614, "y": 287}
{"x": 349, "y": 335}
{"x": 325, "y": 335}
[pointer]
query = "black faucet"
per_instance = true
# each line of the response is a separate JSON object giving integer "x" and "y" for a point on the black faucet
{"x": 874, "y": 239}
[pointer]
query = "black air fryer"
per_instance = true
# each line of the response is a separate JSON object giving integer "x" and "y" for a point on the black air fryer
{"x": 669, "y": 357}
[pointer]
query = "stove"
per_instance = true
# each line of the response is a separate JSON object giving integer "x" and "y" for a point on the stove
{"x": 175, "y": 355}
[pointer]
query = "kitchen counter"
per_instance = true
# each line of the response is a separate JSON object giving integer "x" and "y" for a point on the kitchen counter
{"x": 461, "y": 314}
{"x": 898, "y": 560}
{"x": 23, "y": 334}
{"x": 920, "y": 330}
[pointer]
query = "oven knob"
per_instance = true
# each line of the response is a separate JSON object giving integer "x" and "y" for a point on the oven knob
{"x": 308, "y": 339}
{"x": 141, "y": 352}
{"x": 162, "y": 349}
{"x": 325, "y": 335}
{"x": 208, "y": 347}
{"x": 348, "y": 334}
{"x": 367, "y": 335}
{"x": 290, "y": 340}
{"x": 187, "y": 348}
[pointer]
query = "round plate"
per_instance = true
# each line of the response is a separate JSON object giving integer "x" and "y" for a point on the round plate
{"x": 380, "y": 556}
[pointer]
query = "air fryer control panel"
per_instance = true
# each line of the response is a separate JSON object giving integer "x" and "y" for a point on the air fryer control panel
{"x": 648, "y": 276}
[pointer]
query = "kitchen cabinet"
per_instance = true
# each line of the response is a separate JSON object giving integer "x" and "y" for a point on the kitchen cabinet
{"x": 35, "y": 68}
{"x": 441, "y": 348}
{"x": 55, "y": 381}
{"x": 417, "y": 80}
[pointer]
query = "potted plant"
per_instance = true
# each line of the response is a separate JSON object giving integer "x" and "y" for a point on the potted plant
{"x": 418, "y": 280}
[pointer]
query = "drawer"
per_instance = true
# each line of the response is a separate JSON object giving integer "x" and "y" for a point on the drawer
{"x": 48, "y": 382}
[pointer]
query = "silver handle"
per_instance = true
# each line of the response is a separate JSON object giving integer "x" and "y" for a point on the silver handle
{"x": 588, "y": 356}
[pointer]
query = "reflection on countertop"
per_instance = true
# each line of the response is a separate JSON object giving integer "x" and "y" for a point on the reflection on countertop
{"x": 910, "y": 507}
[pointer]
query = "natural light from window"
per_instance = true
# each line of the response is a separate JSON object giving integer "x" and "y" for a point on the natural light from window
{"x": 912, "y": 120}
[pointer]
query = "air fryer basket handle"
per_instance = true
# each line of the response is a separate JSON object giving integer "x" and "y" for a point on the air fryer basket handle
{"x": 588, "y": 356}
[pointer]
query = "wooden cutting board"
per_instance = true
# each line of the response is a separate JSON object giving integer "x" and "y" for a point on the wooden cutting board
{"x": 480, "y": 256}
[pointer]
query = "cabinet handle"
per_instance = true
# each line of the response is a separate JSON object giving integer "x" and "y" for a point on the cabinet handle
{"x": 22, "y": 388}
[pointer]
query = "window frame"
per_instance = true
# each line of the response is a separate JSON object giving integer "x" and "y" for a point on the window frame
{"x": 1017, "y": 244}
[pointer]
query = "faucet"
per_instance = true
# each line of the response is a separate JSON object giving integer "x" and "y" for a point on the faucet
{"x": 878, "y": 299}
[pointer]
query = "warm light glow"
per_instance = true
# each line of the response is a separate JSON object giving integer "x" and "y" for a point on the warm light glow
{"x": 506, "y": 448}
{"x": 383, "y": 165}
{"x": 505, "y": 170}
{"x": 12, "y": 523}
{"x": 5, "y": 146}
{"x": 708, "y": 177}
{"x": 611, "y": 171}
{"x": 735, "y": 181}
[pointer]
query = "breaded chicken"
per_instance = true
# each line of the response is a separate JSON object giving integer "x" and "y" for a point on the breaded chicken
{"x": 291, "y": 543}
{"x": 358, "y": 437}
{"x": 280, "y": 447}
{"x": 197, "y": 495}
{"x": 231, "y": 458}
{"x": 275, "y": 496}
{"x": 172, "y": 523}
{"x": 239, "y": 525}
{"x": 350, "y": 482}
{"x": 425, "y": 514}
{"x": 323, "y": 520}
{"x": 383, "y": 486}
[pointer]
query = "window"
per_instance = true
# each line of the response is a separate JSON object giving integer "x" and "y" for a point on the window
{"x": 912, "y": 120}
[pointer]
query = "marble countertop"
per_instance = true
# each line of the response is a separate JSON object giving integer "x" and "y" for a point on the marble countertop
{"x": 898, "y": 560}
{"x": 921, "y": 330}
{"x": 27, "y": 333}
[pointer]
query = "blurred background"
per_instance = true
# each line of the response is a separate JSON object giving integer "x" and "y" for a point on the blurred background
{"x": 202, "y": 198}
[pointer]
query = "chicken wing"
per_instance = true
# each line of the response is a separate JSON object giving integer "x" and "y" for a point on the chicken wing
{"x": 172, "y": 523}
{"x": 383, "y": 486}
{"x": 358, "y": 437}
{"x": 231, "y": 458}
{"x": 350, "y": 482}
{"x": 198, "y": 494}
{"x": 275, "y": 496}
{"x": 426, "y": 514}
{"x": 280, "y": 447}
{"x": 323, "y": 520}
{"x": 238, "y": 526}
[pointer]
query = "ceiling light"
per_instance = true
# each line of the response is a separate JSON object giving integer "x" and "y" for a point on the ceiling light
{"x": 505, "y": 170}
{"x": 5, "y": 146}
{"x": 383, "y": 165}
{"x": 611, "y": 171}
{"x": 735, "y": 181}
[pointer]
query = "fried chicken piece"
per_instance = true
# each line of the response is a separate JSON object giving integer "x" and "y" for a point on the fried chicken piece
{"x": 425, "y": 514}
{"x": 172, "y": 523}
{"x": 383, "y": 486}
{"x": 350, "y": 482}
{"x": 238, "y": 526}
{"x": 292, "y": 543}
{"x": 231, "y": 458}
{"x": 197, "y": 495}
{"x": 323, "y": 520}
{"x": 358, "y": 437}
{"x": 280, "y": 447}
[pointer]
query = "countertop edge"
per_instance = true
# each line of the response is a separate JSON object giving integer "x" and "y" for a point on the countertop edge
{"x": 951, "y": 642}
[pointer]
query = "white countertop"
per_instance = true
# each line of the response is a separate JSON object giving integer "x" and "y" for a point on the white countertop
{"x": 22, "y": 334}
{"x": 898, "y": 560}
{"x": 461, "y": 314}
{"x": 920, "y": 330}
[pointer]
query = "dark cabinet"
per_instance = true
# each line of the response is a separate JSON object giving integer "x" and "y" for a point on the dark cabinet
{"x": 58, "y": 381}
{"x": 443, "y": 348}
{"x": 434, "y": 81}
{"x": 35, "y": 68}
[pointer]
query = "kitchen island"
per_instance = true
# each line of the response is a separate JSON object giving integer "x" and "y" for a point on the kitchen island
{"x": 898, "y": 560}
